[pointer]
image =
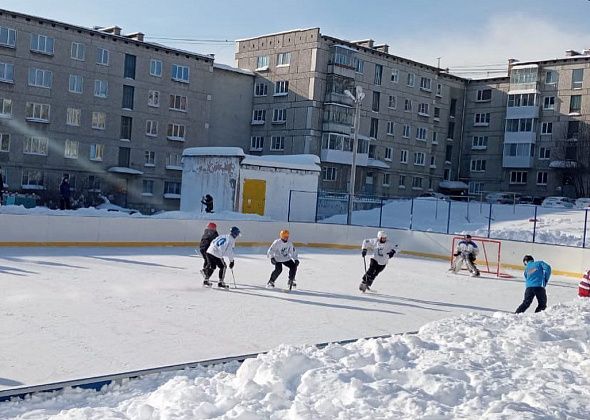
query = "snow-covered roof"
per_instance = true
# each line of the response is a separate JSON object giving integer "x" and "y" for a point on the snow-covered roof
{"x": 376, "y": 163}
{"x": 301, "y": 162}
{"x": 453, "y": 185}
{"x": 124, "y": 170}
{"x": 233, "y": 69}
{"x": 563, "y": 164}
{"x": 214, "y": 151}
{"x": 276, "y": 33}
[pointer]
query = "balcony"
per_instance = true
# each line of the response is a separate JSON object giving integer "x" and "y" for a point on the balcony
{"x": 520, "y": 137}
{"x": 342, "y": 70}
{"x": 522, "y": 112}
{"x": 333, "y": 97}
{"x": 517, "y": 161}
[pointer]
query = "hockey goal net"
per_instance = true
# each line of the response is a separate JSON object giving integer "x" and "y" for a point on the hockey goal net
{"x": 489, "y": 258}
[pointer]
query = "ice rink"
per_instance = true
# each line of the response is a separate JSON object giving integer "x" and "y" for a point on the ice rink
{"x": 70, "y": 313}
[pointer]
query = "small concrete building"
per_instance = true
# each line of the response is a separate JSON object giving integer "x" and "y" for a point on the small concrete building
{"x": 279, "y": 187}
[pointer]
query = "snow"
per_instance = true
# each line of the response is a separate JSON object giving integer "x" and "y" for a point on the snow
{"x": 82, "y": 312}
{"x": 375, "y": 163}
{"x": 233, "y": 69}
{"x": 301, "y": 162}
{"x": 213, "y": 151}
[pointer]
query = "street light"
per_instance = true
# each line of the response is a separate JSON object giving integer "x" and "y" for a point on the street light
{"x": 357, "y": 99}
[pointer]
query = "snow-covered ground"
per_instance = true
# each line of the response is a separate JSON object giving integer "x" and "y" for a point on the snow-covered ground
{"x": 72, "y": 313}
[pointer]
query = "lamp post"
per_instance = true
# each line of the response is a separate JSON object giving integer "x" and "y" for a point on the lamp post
{"x": 357, "y": 99}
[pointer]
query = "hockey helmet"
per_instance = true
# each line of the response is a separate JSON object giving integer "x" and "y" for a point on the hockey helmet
{"x": 212, "y": 226}
{"x": 235, "y": 232}
{"x": 468, "y": 237}
{"x": 527, "y": 259}
{"x": 284, "y": 234}
{"x": 382, "y": 235}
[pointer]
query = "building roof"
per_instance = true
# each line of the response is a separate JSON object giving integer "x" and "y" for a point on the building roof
{"x": 214, "y": 151}
{"x": 205, "y": 57}
{"x": 218, "y": 66}
{"x": 300, "y": 162}
{"x": 277, "y": 33}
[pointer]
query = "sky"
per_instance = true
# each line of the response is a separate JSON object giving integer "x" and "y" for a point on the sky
{"x": 464, "y": 33}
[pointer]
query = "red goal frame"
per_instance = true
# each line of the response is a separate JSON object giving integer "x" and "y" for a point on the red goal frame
{"x": 489, "y": 259}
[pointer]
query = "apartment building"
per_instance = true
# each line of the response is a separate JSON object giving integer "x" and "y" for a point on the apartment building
{"x": 411, "y": 117}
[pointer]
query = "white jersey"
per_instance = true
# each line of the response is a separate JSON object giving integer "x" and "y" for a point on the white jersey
{"x": 222, "y": 246}
{"x": 380, "y": 249}
{"x": 467, "y": 247}
{"x": 282, "y": 251}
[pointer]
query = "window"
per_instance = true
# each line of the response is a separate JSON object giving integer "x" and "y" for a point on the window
{"x": 549, "y": 102}
{"x": 5, "y": 107}
{"x": 575, "y": 104}
{"x": 102, "y": 56}
{"x": 151, "y": 128}
{"x": 154, "y": 98}
{"x": 544, "y": 153}
{"x": 551, "y": 77}
{"x": 386, "y": 180}
{"x": 262, "y": 62}
{"x": 449, "y": 153}
{"x": 147, "y": 187}
{"x": 417, "y": 182}
{"x": 520, "y": 125}
{"x": 40, "y": 78}
{"x": 128, "y": 97}
{"x": 421, "y": 133}
{"x": 258, "y": 116}
{"x": 479, "y": 143}
{"x": 394, "y": 76}
{"x": 277, "y": 143}
{"x": 426, "y": 84}
{"x": 451, "y": 130}
{"x": 76, "y": 83}
{"x": 434, "y": 137}
{"x": 392, "y": 103}
{"x": 436, "y": 113}
{"x": 518, "y": 149}
{"x": 101, "y": 88}
{"x": 129, "y": 66}
{"x": 155, "y": 67}
{"x": 423, "y": 110}
{"x": 577, "y": 78}
{"x": 180, "y": 73}
{"x": 78, "y": 51}
{"x": 36, "y": 146}
{"x": 378, "y": 74}
{"x": 37, "y": 112}
{"x": 484, "y": 95}
{"x": 403, "y": 157}
{"x": 478, "y": 165}
{"x": 284, "y": 59}
{"x": 372, "y": 153}
{"x": 542, "y": 178}
{"x": 411, "y": 79}
{"x": 433, "y": 161}
{"x": 71, "y": 149}
{"x": 402, "y": 182}
{"x": 388, "y": 154}
{"x": 7, "y": 37}
{"x": 518, "y": 177}
{"x": 42, "y": 44}
{"x": 376, "y": 100}
{"x": 4, "y": 144}
{"x": 573, "y": 129}
{"x": 329, "y": 173}
{"x": 7, "y": 72}
{"x": 256, "y": 143}
{"x": 261, "y": 89}
{"x": 149, "y": 158}
{"x": 406, "y": 131}
{"x": 453, "y": 108}
{"x": 124, "y": 156}
{"x": 174, "y": 161}
{"x": 481, "y": 119}
{"x": 178, "y": 103}
{"x": 390, "y": 128}
{"x": 99, "y": 120}
{"x": 408, "y": 105}
{"x": 419, "y": 158}
{"x": 447, "y": 174}
{"x": 439, "y": 88}
{"x": 32, "y": 178}
{"x": 96, "y": 152}
{"x": 281, "y": 88}
{"x": 172, "y": 188}
{"x": 546, "y": 128}
{"x": 475, "y": 187}
{"x": 73, "y": 116}
{"x": 279, "y": 116}
{"x": 374, "y": 130}
{"x": 126, "y": 128}
{"x": 176, "y": 132}
{"x": 571, "y": 152}
{"x": 358, "y": 64}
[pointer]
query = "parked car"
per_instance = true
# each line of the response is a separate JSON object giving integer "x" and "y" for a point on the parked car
{"x": 433, "y": 195}
{"x": 501, "y": 198}
{"x": 525, "y": 199}
{"x": 582, "y": 203}
{"x": 558, "y": 202}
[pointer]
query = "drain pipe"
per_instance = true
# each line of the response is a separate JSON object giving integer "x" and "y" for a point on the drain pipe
{"x": 462, "y": 131}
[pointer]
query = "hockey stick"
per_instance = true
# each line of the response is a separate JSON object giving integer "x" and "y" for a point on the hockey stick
{"x": 233, "y": 277}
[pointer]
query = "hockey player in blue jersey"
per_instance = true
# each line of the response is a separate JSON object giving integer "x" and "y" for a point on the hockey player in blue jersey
{"x": 536, "y": 275}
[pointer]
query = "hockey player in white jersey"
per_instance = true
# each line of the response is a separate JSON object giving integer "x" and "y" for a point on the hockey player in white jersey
{"x": 282, "y": 252}
{"x": 465, "y": 252}
{"x": 383, "y": 250}
{"x": 221, "y": 247}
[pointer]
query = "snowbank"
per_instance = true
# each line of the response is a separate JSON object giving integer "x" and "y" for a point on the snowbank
{"x": 471, "y": 366}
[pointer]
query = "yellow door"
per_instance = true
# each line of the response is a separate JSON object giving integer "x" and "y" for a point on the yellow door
{"x": 254, "y": 196}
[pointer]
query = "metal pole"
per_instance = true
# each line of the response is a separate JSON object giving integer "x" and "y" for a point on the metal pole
{"x": 381, "y": 213}
{"x": 490, "y": 220}
{"x": 535, "y": 225}
{"x": 289, "y": 208}
{"x": 436, "y": 209}
{"x": 449, "y": 218}
{"x": 412, "y": 213}
{"x": 468, "y": 200}
{"x": 317, "y": 203}
{"x": 585, "y": 226}
{"x": 357, "y": 115}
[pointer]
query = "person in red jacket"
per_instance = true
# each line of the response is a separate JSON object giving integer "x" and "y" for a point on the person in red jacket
{"x": 584, "y": 287}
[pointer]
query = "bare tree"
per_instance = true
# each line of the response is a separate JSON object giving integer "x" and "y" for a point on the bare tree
{"x": 571, "y": 157}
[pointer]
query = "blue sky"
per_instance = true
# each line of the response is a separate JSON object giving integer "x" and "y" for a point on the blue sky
{"x": 462, "y": 32}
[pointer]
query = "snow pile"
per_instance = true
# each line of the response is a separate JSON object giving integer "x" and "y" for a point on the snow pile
{"x": 472, "y": 366}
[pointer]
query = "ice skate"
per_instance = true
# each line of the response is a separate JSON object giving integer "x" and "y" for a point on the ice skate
{"x": 221, "y": 284}
{"x": 270, "y": 284}
{"x": 206, "y": 283}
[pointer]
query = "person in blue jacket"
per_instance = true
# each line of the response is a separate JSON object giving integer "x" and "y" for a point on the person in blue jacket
{"x": 536, "y": 275}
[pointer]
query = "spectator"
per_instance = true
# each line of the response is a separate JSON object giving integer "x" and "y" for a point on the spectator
{"x": 208, "y": 202}
{"x": 584, "y": 287}
{"x": 64, "y": 192}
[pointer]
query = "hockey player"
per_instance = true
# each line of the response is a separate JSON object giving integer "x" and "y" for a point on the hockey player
{"x": 222, "y": 246}
{"x": 282, "y": 252}
{"x": 383, "y": 250}
{"x": 536, "y": 275}
{"x": 466, "y": 251}
{"x": 208, "y": 236}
